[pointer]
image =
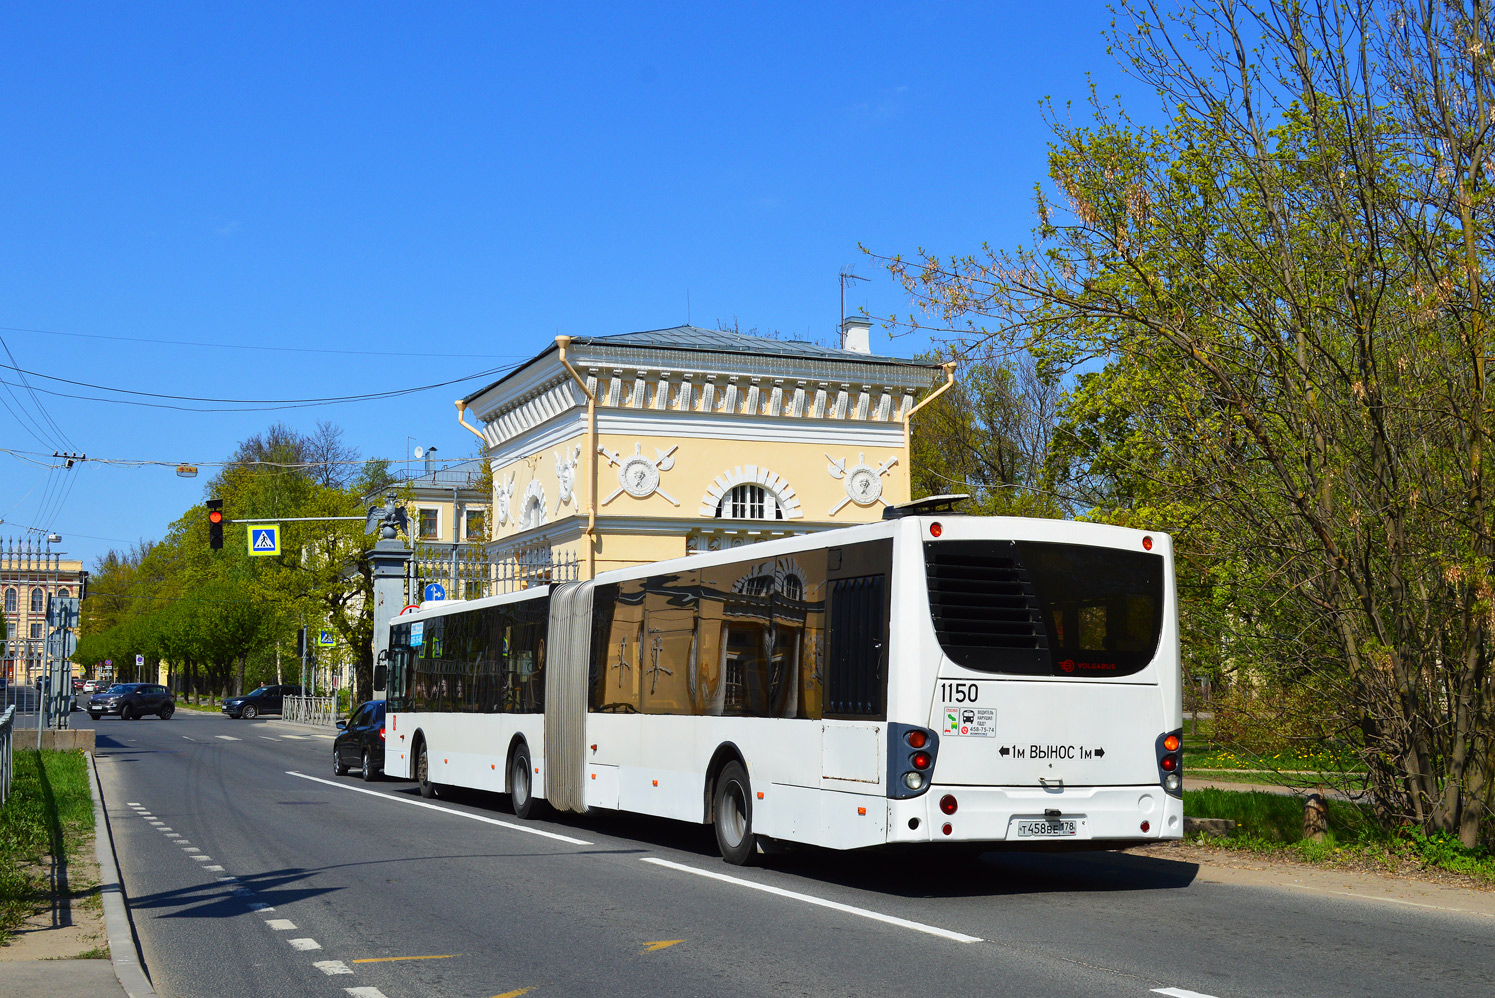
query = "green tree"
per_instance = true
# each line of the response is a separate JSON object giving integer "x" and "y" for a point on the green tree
{"x": 1279, "y": 308}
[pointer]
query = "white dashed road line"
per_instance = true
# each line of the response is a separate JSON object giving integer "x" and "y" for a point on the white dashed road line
{"x": 269, "y": 739}
{"x": 330, "y": 967}
{"x": 304, "y": 944}
{"x": 365, "y": 992}
{"x": 228, "y": 738}
{"x": 1180, "y": 993}
{"x": 280, "y": 924}
{"x": 446, "y": 810}
{"x": 876, "y": 916}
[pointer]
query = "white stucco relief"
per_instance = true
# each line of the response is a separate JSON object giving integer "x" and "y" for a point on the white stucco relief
{"x": 863, "y": 482}
{"x": 639, "y": 475}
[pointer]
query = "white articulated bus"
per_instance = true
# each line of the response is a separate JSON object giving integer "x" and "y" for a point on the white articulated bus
{"x": 932, "y": 677}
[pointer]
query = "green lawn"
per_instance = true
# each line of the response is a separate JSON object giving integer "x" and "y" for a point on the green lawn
{"x": 49, "y": 812}
{"x": 1268, "y": 822}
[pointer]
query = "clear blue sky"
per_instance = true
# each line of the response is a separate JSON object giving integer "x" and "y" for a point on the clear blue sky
{"x": 434, "y": 180}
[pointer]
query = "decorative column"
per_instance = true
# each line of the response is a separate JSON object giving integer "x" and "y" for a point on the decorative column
{"x": 388, "y": 558}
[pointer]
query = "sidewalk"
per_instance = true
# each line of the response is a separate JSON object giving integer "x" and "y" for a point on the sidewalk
{"x": 120, "y": 976}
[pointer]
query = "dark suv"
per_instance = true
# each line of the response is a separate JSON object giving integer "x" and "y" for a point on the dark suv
{"x": 265, "y": 700}
{"x": 132, "y": 700}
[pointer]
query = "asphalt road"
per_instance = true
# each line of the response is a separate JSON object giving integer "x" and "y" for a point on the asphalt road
{"x": 251, "y": 870}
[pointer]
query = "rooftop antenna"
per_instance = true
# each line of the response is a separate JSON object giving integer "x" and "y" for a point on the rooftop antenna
{"x": 846, "y": 278}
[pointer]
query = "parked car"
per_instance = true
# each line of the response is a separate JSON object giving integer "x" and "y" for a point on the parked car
{"x": 265, "y": 700}
{"x": 132, "y": 700}
{"x": 90, "y": 686}
{"x": 360, "y": 741}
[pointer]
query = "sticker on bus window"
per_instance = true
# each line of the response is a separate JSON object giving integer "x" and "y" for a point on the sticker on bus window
{"x": 979, "y": 722}
{"x": 417, "y": 634}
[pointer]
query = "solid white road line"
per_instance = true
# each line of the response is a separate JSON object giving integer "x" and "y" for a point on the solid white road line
{"x": 304, "y": 944}
{"x": 876, "y": 916}
{"x": 1180, "y": 993}
{"x": 228, "y": 738}
{"x": 447, "y": 810}
{"x": 330, "y": 967}
{"x": 280, "y": 924}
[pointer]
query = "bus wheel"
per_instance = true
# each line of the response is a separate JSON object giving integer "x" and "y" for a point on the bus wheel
{"x": 521, "y": 784}
{"x": 734, "y": 816}
{"x": 423, "y": 774}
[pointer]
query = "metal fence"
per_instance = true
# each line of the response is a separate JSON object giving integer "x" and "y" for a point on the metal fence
{"x": 7, "y": 736}
{"x": 465, "y": 571}
{"x": 321, "y": 711}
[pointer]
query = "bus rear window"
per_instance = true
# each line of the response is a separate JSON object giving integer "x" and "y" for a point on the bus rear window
{"x": 1043, "y": 609}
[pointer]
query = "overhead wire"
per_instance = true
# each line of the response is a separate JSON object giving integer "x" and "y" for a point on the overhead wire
{"x": 241, "y": 405}
{"x": 260, "y": 346}
{"x": 66, "y": 444}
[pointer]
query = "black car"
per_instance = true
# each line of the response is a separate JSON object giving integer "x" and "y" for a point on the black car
{"x": 360, "y": 741}
{"x": 131, "y": 701}
{"x": 265, "y": 700}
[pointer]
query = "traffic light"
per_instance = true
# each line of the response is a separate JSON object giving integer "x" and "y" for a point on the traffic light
{"x": 215, "y": 523}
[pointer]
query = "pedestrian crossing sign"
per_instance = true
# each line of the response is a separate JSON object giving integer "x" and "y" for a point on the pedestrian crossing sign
{"x": 325, "y": 639}
{"x": 264, "y": 541}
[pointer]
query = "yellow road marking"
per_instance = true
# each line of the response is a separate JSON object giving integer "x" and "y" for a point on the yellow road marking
{"x": 387, "y": 959}
{"x": 514, "y": 994}
{"x": 662, "y": 944}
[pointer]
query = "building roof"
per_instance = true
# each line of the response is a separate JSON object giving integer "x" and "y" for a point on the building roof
{"x": 696, "y": 338}
{"x": 456, "y": 476}
{"x": 725, "y": 341}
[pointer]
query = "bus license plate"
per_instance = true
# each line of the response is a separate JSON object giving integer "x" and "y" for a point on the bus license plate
{"x": 1045, "y": 827}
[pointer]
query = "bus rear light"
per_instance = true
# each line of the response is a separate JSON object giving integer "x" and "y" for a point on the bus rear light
{"x": 1171, "y": 762}
{"x": 935, "y": 529}
{"x": 1146, "y": 546}
{"x": 948, "y": 804}
{"x": 1146, "y": 826}
{"x": 948, "y": 828}
{"x": 911, "y": 752}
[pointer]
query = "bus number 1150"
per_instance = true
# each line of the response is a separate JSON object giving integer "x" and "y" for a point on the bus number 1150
{"x": 958, "y": 692}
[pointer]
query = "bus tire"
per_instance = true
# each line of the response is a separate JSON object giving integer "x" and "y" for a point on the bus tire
{"x": 733, "y": 816}
{"x": 522, "y": 784}
{"x": 423, "y": 773}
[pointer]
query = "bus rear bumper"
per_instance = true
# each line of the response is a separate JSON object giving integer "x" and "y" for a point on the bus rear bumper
{"x": 1023, "y": 816}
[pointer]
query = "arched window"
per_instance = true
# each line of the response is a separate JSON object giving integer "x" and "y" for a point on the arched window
{"x": 749, "y": 502}
{"x": 37, "y": 598}
{"x": 10, "y": 600}
{"x": 62, "y": 592}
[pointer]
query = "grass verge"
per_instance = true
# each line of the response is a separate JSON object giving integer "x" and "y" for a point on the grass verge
{"x": 49, "y": 814}
{"x": 1267, "y": 823}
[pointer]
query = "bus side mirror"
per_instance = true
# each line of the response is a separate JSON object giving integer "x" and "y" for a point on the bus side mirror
{"x": 381, "y": 676}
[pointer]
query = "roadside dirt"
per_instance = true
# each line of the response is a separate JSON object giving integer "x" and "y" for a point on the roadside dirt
{"x": 1408, "y": 884}
{"x": 67, "y": 926}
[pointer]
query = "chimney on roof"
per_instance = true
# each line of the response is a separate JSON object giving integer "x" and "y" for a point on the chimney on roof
{"x": 856, "y": 334}
{"x": 430, "y": 461}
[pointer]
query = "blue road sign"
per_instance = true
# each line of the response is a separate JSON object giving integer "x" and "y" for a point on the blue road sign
{"x": 324, "y": 638}
{"x": 435, "y": 591}
{"x": 264, "y": 541}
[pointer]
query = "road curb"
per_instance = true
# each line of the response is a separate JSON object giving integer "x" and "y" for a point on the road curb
{"x": 117, "y": 924}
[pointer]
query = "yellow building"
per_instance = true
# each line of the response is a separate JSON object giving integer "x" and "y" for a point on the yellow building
{"x": 615, "y": 450}
{"x": 30, "y": 572}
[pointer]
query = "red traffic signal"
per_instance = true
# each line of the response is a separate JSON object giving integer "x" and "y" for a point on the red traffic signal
{"x": 215, "y": 523}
